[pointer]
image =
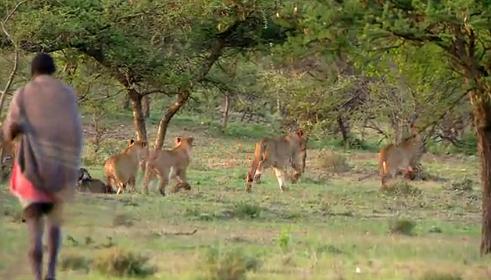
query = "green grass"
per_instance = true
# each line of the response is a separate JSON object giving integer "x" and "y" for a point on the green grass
{"x": 325, "y": 227}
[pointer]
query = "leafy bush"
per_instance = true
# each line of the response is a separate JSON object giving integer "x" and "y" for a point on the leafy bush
{"x": 401, "y": 226}
{"x": 435, "y": 229}
{"x": 284, "y": 240}
{"x": 74, "y": 262}
{"x": 246, "y": 210}
{"x": 358, "y": 144}
{"x": 466, "y": 146}
{"x": 330, "y": 249}
{"x": 431, "y": 275}
{"x": 119, "y": 263}
{"x": 333, "y": 162}
{"x": 122, "y": 220}
{"x": 228, "y": 264}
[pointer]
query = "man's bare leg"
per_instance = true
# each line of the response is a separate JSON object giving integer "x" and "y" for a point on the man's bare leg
{"x": 35, "y": 225}
{"x": 54, "y": 239}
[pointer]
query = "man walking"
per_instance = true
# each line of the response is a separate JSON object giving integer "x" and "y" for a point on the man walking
{"x": 43, "y": 119}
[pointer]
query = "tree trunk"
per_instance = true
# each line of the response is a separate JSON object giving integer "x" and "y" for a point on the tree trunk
{"x": 344, "y": 129}
{"x": 482, "y": 112}
{"x": 182, "y": 97}
{"x": 138, "y": 117}
{"x": 146, "y": 106}
{"x": 183, "y": 94}
{"x": 226, "y": 109}
{"x": 10, "y": 80}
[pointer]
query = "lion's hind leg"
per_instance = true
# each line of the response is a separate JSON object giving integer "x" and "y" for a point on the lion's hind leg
{"x": 163, "y": 175}
{"x": 147, "y": 177}
{"x": 132, "y": 183}
{"x": 180, "y": 175}
{"x": 297, "y": 172}
{"x": 280, "y": 175}
{"x": 121, "y": 187}
{"x": 259, "y": 172}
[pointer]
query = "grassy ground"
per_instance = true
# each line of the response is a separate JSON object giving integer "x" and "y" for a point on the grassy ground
{"x": 328, "y": 226}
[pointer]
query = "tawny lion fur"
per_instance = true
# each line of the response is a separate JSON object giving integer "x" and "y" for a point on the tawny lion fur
{"x": 279, "y": 153}
{"x": 167, "y": 164}
{"x": 120, "y": 169}
{"x": 401, "y": 157}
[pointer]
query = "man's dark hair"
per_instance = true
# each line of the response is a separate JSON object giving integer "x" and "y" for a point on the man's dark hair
{"x": 42, "y": 64}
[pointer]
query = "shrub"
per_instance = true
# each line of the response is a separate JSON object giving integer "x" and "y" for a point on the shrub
{"x": 330, "y": 249}
{"x": 333, "y": 162}
{"x": 468, "y": 145}
{"x": 246, "y": 210}
{"x": 284, "y": 240}
{"x": 357, "y": 144}
{"x": 402, "y": 226}
{"x": 74, "y": 262}
{"x": 122, "y": 220}
{"x": 431, "y": 275}
{"x": 228, "y": 264}
{"x": 119, "y": 263}
{"x": 435, "y": 229}
{"x": 402, "y": 188}
{"x": 15, "y": 215}
{"x": 464, "y": 185}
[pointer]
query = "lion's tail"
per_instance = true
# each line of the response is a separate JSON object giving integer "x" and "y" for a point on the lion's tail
{"x": 258, "y": 154}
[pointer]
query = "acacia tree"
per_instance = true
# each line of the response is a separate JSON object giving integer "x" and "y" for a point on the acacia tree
{"x": 11, "y": 76}
{"x": 233, "y": 26}
{"x": 149, "y": 47}
{"x": 460, "y": 31}
{"x": 11, "y": 40}
{"x": 138, "y": 44}
{"x": 97, "y": 29}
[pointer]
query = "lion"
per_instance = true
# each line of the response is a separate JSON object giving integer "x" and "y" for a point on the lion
{"x": 120, "y": 169}
{"x": 88, "y": 184}
{"x": 168, "y": 164}
{"x": 279, "y": 153}
{"x": 402, "y": 157}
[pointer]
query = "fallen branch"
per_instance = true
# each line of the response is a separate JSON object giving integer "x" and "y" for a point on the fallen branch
{"x": 178, "y": 232}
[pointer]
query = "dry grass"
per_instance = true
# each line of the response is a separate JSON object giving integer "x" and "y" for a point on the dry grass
{"x": 333, "y": 162}
{"x": 228, "y": 264}
{"x": 122, "y": 263}
{"x": 319, "y": 229}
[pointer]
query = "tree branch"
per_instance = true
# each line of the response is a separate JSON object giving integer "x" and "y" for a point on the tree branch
{"x": 448, "y": 109}
{"x": 16, "y": 55}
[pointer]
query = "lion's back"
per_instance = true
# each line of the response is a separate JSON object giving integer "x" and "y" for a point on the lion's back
{"x": 119, "y": 167}
{"x": 279, "y": 150}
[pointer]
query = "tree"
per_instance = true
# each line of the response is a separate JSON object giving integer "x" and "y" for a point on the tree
{"x": 460, "y": 31}
{"x": 6, "y": 33}
{"x": 10, "y": 79}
